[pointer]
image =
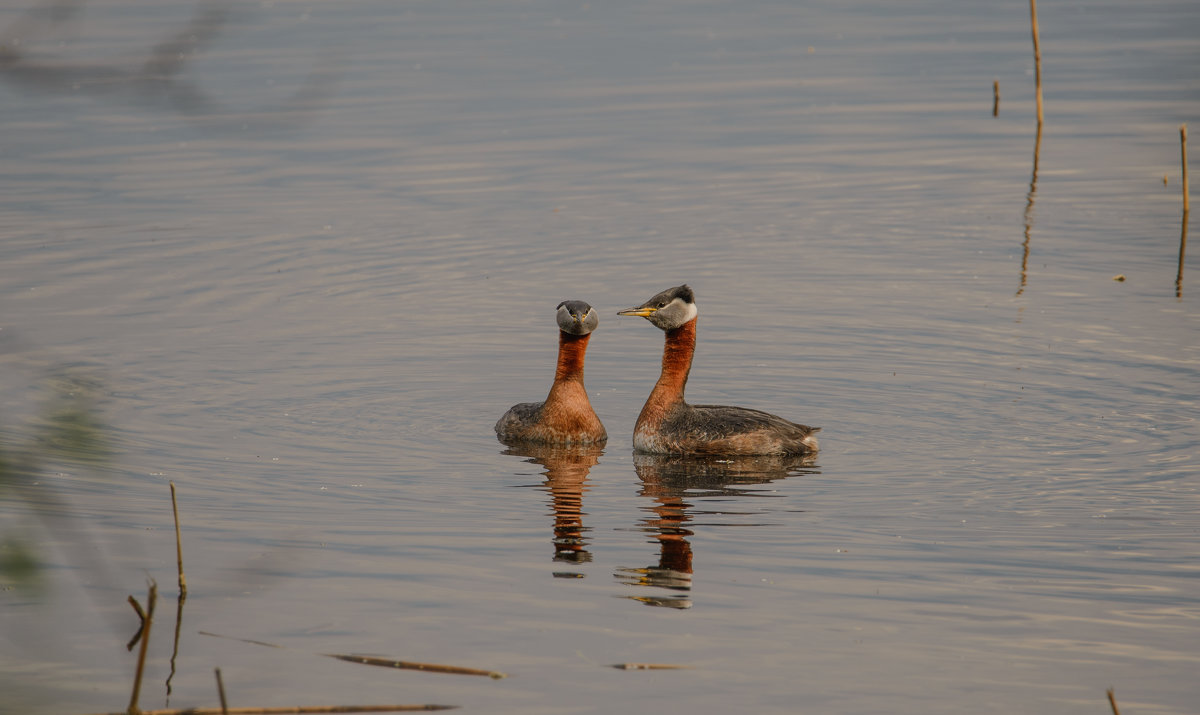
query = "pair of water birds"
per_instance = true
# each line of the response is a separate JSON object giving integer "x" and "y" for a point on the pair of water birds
{"x": 667, "y": 424}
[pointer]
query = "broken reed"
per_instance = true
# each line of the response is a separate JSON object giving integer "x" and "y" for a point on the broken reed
{"x": 380, "y": 662}
{"x": 1112, "y": 702}
{"x": 221, "y": 692}
{"x": 151, "y": 599}
{"x": 413, "y": 665}
{"x": 287, "y": 710}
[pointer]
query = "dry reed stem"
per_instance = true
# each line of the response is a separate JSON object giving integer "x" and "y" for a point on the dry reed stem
{"x": 137, "y": 608}
{"x": 286, "y": 710}
{"x": 995, "y": 98}
{"x": 411, "y": 665}
{"x": 1183, "y": 153}
{"x": 648, "y": 666}
{"x": 1112, "y": 701}
{"x": 221, "y": 692}
{"x": 243, "y": 640}
{"x": 1037, "y": 57}
{"x": 382, "y": 662}
{"x": 178, "y": 544}
{"x": 151, "y": 599}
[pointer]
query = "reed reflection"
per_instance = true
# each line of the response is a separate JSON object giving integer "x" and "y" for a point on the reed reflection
{"x": 1187, "y": 206}
{"x": 676, "y": 485}
{"x": 1037, "y": 144}
{"x": 566, "y": 470}
{"x": 1182, "y": 251}
{"x": 1029, "y": 199}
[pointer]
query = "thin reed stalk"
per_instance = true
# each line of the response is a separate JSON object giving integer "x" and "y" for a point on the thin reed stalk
{"x": 1183, "y": 154}
{"x": 151, "y": 599}
{"x": 1186, "y": 210}
{"x": 178, "y": 544}
{"x": 1037, "y": 57}
{"x": 288, "y": 710}
{"x": 1112, "y": 702}
{"x": 221, "y": 692}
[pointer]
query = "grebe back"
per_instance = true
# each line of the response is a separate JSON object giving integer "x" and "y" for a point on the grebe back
{"x": 566, "y": 415}
{"x": 669, "y": 425}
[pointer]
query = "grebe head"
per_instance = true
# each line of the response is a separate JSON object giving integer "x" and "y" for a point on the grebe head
{"x": 667, "y": 310}
{"x": 576, "y": 317}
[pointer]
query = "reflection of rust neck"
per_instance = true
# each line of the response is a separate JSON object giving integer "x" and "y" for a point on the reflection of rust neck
{"x": 569, "y": 542}
{"x": 676, "y": 553}
{"x": 566, "y": 480}
{"x": 673, "y": 518}
{"x": 571, "y": 351}
{"x": 676, "y": 364}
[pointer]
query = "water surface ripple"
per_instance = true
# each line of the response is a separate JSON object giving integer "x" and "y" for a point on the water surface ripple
{"x": 312, "y": 253}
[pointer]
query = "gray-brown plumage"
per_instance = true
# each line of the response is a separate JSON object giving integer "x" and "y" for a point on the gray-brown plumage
{"x": 566, "y": 415}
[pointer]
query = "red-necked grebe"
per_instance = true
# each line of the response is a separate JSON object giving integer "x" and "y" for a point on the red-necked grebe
{"x": 566, "y": 416}
{"x": 669, "y": 425}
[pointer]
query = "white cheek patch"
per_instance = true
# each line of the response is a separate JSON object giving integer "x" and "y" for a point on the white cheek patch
{"x": 689, "y": 311}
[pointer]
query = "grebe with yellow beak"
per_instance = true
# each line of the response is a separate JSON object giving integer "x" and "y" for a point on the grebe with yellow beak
{"x": 669, "y": 425}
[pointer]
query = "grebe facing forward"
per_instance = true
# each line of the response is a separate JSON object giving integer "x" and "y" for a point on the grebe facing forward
{"x": 668, "y": 425}
{"x": 566, "y": 416}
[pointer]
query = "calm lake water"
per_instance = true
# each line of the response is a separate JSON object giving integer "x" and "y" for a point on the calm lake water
{"x": 314, "y": 254}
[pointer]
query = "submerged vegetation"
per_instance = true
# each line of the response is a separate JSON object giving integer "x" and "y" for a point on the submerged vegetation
{"x": 69, "y": 430}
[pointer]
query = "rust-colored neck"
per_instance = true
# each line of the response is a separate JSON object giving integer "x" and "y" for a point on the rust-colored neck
{"x": 571, "y": 351}
{"x": 676, "y": 364}
{"x": 678, "y": 349}
{"x": 567, "y": 410}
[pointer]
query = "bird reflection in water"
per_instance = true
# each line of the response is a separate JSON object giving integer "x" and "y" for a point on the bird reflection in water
{"x": 566, "y": 470}
{"x": 674, "y": 483}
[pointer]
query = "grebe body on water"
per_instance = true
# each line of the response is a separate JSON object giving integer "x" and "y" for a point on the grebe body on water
{"x": 669, "y": 425}
{"x": 566, "y": 416}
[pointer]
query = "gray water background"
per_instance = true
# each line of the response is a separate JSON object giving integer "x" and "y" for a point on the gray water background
{"x": 314, "y": 264}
